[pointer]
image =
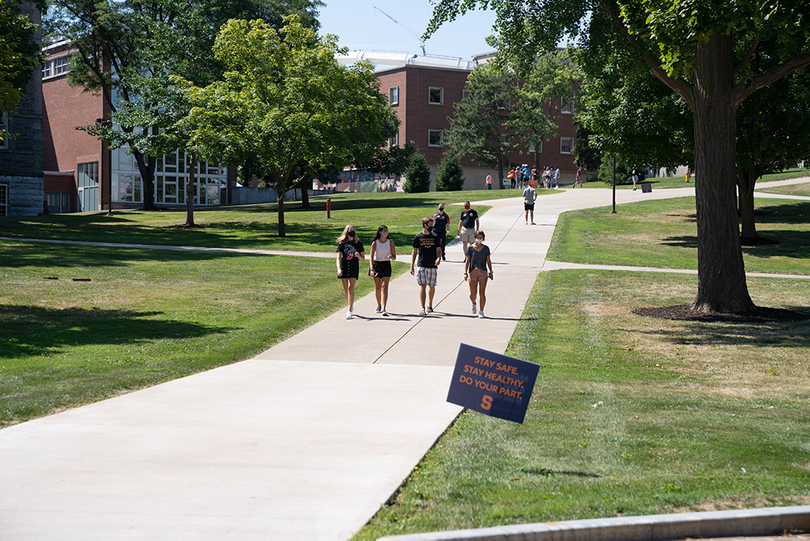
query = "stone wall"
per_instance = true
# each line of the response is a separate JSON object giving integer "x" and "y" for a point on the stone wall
{"x": 25, "y": 195}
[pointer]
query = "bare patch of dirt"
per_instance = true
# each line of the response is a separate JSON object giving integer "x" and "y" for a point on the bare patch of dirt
{"x": 683, "y": 312}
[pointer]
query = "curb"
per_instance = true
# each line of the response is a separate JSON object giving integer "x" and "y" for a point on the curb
{"x": 765, "y": 521}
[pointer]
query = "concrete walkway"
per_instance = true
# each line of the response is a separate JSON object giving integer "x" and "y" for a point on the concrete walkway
{"x": 304, "y": 442}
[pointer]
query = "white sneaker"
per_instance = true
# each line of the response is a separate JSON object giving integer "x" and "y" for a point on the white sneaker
{"x": 534, "y": 223}
{"x": 481, "y": 315}
{"x": 384, "y": 312}
{"x": 349, "y": 314}
{"x": 527, "y": 223}
{"x": 473, "y": 308}
{"x": 378, "y": 310}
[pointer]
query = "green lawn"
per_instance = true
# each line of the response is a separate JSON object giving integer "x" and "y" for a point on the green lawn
{"x": 630, "y": 415}
{"x": 145, "y": 317}
{"x": 664, "y": 234}
{"x": 256, "y": 226}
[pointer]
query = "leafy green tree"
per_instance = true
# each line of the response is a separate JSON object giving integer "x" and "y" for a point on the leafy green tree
{"x": 143, "y": 43}
{"x": 286, "y": 104}
{"x": 393, "y": 162}
{"x": 417, "y": 176}
{"x": 19, "y": 55}
{"x": 536, "y": 105}
{"x": 450, "y": 177}
{"x": 478, "y": 127}
{"x": 702, "y": 51}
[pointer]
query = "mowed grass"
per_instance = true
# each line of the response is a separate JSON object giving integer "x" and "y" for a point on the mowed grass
{"x": 664, "y": 234}
{"x": 256, "y": 226}
{"x": 145, "y": 317}
{"x": 630, "y": 415}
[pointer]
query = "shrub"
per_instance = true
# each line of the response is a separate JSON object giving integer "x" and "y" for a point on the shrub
{"x": 451, "y": 175}
{"x": 417, "y": 176}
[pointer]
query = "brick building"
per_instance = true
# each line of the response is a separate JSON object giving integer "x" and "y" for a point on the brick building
{"x": 83, "y": 174}
{"x": 423, "y": 90}
{"x": 21, "y": 154}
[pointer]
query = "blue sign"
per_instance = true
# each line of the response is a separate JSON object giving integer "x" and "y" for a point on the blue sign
{"x": 492, "y": 384}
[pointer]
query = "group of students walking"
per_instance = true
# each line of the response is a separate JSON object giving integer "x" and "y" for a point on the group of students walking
{"x": 428, "y": 251}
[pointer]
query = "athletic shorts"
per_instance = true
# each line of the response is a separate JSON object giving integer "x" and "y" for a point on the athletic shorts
{"x": 467, "y": 235}
{"x": 528, "y": 206}
{"x": 426, "y": 276}
{"x": 382, "y": 269}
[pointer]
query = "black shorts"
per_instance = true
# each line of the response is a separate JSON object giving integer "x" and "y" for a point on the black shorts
{"x": 352, "y": 272}
{"x": 382, "y": 269}
{"x": 528, "y": 206}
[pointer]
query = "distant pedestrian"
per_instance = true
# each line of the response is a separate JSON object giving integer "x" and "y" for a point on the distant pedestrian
{"x": 511, "y": 177}
{"x": 489, "y": 181}
{"x": 425, "y": 259}
{"x": 467, "y": 226}
{"x": 349, "y": 255}
{"x": 529, "y": 197}
{"x": 475, "y": 272}
{"x": 557, "y": 178}
{"x": 441, "y": 226}
{"x": 634, "y": 177}
{"x": 383, "y": 252}
{"x": 579, "y": 178}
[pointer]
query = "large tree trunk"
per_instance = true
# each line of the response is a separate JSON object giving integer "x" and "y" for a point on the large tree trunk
{"x": 747, "y": 179}
{"x": 721, "y": 272}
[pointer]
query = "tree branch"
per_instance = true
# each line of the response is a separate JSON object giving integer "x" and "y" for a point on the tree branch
{"x": 751, "y": 85}
{"x": 744, "y": 60}
{"x": 679, "y": 86}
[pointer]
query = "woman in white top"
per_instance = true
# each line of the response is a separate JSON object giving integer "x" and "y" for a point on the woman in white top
{"x": 382, "y": 253}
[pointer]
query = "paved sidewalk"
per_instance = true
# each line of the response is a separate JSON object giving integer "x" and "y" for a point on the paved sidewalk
{"x": 303, "y": 442}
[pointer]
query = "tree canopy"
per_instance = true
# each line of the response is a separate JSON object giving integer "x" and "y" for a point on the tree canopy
{"x": 703, "y": 51}
{"x": 127, "y": 50}
{"x": 286, "y": 104}
{"x": 19, "y": 55}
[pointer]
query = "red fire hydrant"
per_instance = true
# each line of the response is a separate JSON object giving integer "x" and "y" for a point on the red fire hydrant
{"x": 328, "y": 208}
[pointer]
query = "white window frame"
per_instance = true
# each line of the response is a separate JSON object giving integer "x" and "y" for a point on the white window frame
{"x": 570, "y": 144}
{"x": 532, "y": 148}
{"x": 60, "y": 65}
{"x": 47, "y": 69}
{"x": 3, "y": 199}
{"x": 567, "y": 106}
{"x": 441, "y": 138}
{"x": 393, "y": 95}
{"x": 394, "y": 140}
{"x": 431, "y": 89}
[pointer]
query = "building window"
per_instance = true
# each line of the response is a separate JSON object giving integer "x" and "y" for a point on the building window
{"x": 536, "y": 148}
{"x": 436, "y": 95}
{"x": 465, "y": 93}
{"x": 393, "y": 95}
{"x": 435, "y": 138}
{"x": 4, "y": 135}
{"x": 87, "y": 184}
{"x": 566, "y": 145}
{"x": 60, "y": 65}
{"x": 3, "y": 199}
{"x": 504, "y": 105}
{"x": 393, "y": 141}
{"x": 567, "y": 105}
{"x": 46, "y": 69}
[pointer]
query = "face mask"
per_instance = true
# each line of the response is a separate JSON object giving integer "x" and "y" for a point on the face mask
{"x": 479, "y": 241}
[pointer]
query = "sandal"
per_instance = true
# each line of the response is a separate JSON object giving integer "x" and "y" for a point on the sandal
{"x": 422, "y": 313}
{"x": 429, "y": 309}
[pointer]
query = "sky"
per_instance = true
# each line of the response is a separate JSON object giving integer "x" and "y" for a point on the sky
{"x": 362, "y": 27}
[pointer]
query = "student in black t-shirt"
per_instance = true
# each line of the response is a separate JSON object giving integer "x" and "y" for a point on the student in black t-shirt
{"x": 349, "y": 255}
{"x": 425, "y": 268}
{"x": 441, "y": 226}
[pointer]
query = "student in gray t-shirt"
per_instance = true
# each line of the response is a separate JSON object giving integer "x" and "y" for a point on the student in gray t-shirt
{"x": 475, "y": 271}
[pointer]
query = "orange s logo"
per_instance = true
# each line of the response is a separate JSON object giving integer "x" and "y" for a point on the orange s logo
{"x": 486, "y": 403}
